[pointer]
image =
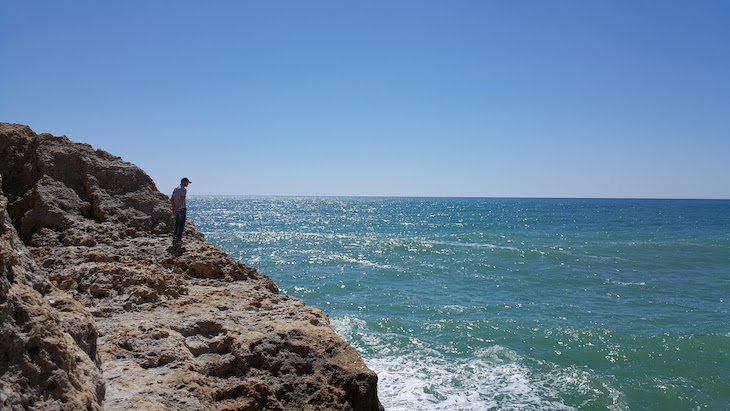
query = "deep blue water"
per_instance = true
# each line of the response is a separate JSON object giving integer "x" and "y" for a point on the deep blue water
{"x": 506, "y": 304}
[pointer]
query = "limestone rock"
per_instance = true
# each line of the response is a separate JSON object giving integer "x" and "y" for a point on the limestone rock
{"x": 98, "y": 309}
{"x": 48, "y": 341}
{"x": 52, "y": 182}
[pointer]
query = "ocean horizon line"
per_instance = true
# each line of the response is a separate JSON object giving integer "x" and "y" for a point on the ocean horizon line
{"x": 459, "y": 197}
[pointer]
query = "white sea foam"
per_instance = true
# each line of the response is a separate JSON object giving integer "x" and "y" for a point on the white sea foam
{"x": 474, "y": 245}
{"x": 622, "y": 283}
{"x": 340, "y": 257}
{"x": 425, "y": 380}
{"x": 496, "y": 378}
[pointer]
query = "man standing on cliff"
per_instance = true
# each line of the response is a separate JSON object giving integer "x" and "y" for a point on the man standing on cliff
{"x": 180, "y": 209}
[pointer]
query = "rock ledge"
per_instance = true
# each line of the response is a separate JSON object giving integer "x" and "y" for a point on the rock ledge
{"x": 98, "y": 312}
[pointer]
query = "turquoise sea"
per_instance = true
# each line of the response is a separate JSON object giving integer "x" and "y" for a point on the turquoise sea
{"x": 506, "y": 304}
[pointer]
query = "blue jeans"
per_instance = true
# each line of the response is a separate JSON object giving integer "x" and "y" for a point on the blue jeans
{"x": 179, "y": 224}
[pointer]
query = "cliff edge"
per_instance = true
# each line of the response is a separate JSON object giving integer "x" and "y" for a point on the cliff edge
{"x": 99, "y": 312}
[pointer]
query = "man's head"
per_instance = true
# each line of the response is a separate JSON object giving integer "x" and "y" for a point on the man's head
{"x": 185, "y": 181}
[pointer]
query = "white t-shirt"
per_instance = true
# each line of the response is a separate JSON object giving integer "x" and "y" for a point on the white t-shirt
{"x": 180, "y": 193}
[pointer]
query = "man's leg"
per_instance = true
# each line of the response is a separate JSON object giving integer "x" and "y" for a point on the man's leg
{"x": 179, "y": 225}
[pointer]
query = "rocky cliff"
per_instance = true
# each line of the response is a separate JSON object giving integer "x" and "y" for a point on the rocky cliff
{"x": 98, "y": 312}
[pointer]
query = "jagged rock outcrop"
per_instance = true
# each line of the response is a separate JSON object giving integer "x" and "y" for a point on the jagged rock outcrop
{"x": 48, "y": 340}
{"x": 99, "y": 312}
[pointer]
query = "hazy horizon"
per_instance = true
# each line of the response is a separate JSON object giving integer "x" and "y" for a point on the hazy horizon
{"x": 451, "y": 197}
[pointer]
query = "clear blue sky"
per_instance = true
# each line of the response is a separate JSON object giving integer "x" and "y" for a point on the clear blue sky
{"x": 564, "y": 98}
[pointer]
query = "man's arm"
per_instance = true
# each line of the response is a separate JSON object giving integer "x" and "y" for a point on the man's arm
{"x": 172, "y": 201}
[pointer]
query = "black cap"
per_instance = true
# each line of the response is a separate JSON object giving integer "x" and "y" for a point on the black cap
{"x": 185, "y": 180}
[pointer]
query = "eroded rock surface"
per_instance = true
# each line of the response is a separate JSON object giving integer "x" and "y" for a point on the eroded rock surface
{"x": 98, "y": 311}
